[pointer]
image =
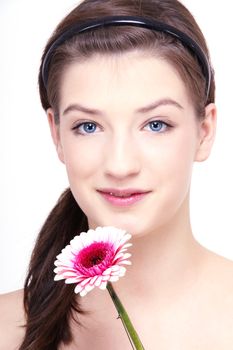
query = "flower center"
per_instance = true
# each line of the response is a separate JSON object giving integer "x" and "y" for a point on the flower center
{"x": 93, "y": 255}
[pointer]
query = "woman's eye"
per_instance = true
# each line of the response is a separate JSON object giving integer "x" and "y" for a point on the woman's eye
{"x": 85, "y": 128}
{"x": 158, "y": 126}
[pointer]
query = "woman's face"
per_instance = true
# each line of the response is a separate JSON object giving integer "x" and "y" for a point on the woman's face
{"x": 127, "y": 126}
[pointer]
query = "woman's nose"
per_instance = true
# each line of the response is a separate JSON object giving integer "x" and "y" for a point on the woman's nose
{"x": 121, "y": 158}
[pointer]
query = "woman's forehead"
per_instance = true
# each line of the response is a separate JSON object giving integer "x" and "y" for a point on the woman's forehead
{"x": 132, "y": 77}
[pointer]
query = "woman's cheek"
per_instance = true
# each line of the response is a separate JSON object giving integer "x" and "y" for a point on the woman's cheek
{"x": 83, "y": 157}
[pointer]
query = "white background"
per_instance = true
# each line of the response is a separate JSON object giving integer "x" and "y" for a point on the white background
{"x": 31, "y": 177}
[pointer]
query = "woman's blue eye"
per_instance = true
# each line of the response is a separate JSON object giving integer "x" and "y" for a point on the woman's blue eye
{"x": 157, "y": 126}
{"x": 90, "y": 127}
{"x": 85, "y": 128}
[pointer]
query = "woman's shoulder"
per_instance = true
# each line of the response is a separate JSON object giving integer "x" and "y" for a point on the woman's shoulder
{"x": 204, "y": 315}
{"x": 12, "y": 320}
{"x": 218, "y": 273}
{"x": 220, "y": 269}
{"x": 218, "y": 284}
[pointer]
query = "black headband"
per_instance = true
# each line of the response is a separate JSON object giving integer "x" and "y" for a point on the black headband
{"x": 132, "y": 21}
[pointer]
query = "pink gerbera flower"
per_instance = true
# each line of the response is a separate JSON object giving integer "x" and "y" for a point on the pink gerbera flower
{"x": 94, "y": 258}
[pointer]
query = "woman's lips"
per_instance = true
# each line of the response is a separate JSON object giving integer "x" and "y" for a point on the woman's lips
{"x": 123, "y": 200}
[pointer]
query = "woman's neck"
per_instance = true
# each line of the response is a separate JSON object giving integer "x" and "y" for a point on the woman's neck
{"x": 168, "y": 259}
{"x": 166, "y": 270}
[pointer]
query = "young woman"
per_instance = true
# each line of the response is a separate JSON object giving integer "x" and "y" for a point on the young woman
{"x": 129, "y": 93}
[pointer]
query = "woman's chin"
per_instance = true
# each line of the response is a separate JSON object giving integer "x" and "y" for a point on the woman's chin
{"x": 134, "y": 228}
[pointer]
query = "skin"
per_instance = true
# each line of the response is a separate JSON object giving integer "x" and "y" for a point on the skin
{"x": 129, "y": 153}
{"x": 177, "y": 293}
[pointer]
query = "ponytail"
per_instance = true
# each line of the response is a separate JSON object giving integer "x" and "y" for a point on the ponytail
{"x": 48, "y": 304}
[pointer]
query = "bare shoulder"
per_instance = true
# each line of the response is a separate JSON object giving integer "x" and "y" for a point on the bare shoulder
{"x": 220, "y": 270}
{"x": 218, "y": 286}
{"x": 218, "y": 277}
{"x": 12, "y": 320}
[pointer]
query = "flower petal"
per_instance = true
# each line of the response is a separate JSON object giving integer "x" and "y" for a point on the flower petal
{"x": 93, "y": 258}
{"x": 103, "y": 285}
{"x": 114, "y": 278}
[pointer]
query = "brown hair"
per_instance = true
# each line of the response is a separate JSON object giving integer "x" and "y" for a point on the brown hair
{"x": 49, "y": 304}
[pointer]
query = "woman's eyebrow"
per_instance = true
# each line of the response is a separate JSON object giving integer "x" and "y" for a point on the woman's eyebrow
{"x": 158, "y": 103}
{"x": 78, "y": 107}
{"x": 162, "y": 102}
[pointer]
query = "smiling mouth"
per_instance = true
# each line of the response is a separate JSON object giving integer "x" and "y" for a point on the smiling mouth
{"x": 123, "y": 197}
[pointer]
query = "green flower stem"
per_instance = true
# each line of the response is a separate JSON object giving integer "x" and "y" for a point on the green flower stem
{"x": 131, "y": 332}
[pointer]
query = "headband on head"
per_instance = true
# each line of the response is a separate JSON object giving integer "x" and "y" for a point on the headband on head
{"x": 129, "y": 21}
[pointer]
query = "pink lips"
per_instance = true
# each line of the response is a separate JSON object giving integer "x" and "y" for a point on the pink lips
{"x": 123, "y": 197}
